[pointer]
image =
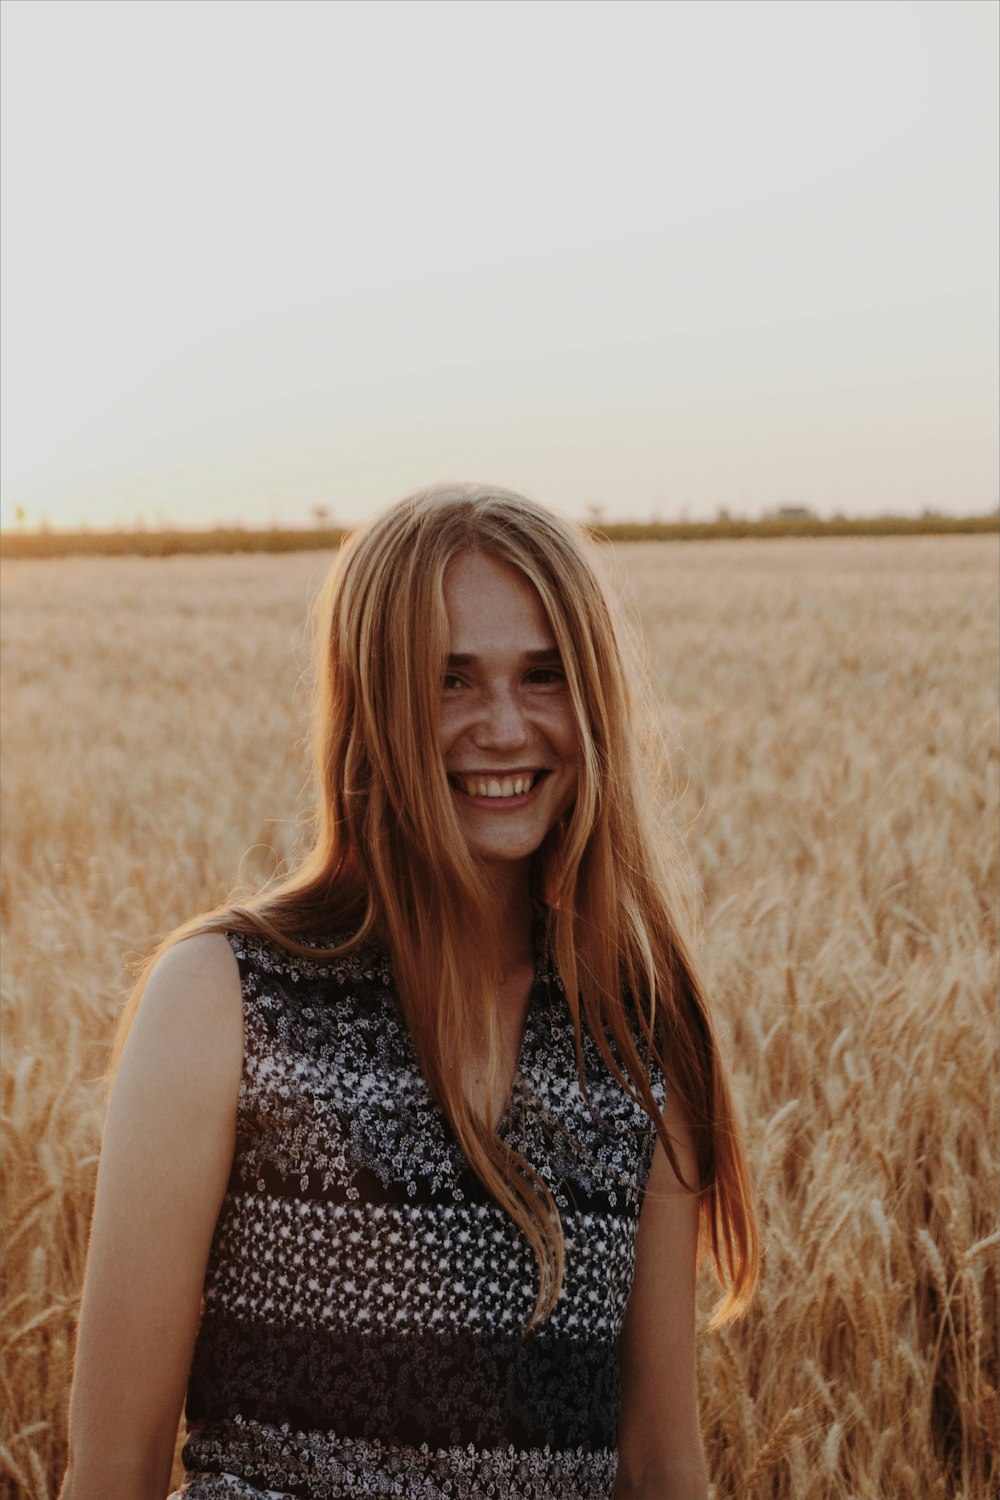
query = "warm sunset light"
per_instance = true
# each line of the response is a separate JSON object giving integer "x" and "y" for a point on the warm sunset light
{"x": 653, "y": 258}
{"x": 493, "y": 1005}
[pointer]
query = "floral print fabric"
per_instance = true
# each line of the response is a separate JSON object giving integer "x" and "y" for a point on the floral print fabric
{"x": 365, "y": 1299}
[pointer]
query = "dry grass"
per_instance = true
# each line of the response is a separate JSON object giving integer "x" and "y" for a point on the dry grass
{"x": 836, "y": 710}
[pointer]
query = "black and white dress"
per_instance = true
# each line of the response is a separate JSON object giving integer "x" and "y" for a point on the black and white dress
{"x": 365, "y": 1299}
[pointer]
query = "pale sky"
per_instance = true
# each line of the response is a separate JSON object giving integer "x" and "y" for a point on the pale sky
{"x": 657, "y": 257}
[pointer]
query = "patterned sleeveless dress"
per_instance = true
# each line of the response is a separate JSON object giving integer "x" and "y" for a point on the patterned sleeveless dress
{"x": 365, "y": 1298}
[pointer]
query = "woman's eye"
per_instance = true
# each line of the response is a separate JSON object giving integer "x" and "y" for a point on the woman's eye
{"x": 546, "y": 676}
{"x": 450, "y": 681}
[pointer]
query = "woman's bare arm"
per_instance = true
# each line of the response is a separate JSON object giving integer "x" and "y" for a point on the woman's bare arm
{"x": 165, "y": 1162}
{"x": 660, "y": 1454}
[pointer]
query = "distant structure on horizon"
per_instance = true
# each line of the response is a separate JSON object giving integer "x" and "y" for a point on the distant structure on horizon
{"x": 790, "y": 513}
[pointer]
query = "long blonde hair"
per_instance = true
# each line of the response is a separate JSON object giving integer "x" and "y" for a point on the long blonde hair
{"x": 389, "y": 858}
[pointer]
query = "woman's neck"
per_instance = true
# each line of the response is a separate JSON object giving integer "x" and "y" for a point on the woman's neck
{"x": 510, "y": 888}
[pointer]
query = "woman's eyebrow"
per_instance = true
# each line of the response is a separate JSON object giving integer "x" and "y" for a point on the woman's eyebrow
{"x": 544, "y": 656}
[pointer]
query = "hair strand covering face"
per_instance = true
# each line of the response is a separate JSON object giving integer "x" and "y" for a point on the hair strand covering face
{"x": 389, "y": 856}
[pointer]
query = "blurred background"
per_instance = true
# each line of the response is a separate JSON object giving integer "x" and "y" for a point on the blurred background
{"x": 276, "y": 264}
{"x": 273, "y": 265}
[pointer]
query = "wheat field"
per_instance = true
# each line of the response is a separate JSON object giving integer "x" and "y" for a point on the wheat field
{"x": 833, "y": 707}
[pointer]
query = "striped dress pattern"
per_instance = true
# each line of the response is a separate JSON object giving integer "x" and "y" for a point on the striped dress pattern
{"x": 365, "y": 1300}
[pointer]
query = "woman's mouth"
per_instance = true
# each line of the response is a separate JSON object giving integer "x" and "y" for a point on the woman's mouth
{"x": 490, "y": 786}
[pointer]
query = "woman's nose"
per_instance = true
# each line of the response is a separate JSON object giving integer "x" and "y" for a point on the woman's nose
{"x": 502, "y": 722}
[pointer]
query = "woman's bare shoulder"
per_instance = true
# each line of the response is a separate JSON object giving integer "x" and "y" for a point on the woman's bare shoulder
{"x": 203, "y": 958}
{"x": 191, "y": 1009}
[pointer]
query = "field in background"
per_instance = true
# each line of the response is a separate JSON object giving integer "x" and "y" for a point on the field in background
{"x": 835, "y": 714}
{"x": 18, "y": 544}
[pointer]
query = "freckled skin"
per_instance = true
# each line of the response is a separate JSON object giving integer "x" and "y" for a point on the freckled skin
{"x": 503, "y": 713}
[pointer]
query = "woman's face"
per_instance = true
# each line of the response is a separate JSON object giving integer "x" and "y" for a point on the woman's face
{"x": 507, "y": 725}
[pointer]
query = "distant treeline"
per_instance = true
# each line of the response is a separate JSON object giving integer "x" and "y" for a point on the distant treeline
{"x": 18, "y": 544}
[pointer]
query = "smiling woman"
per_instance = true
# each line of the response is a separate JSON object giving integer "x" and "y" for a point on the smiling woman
{"x": 508, "y": 732}
{"x": 408, "y": 1159}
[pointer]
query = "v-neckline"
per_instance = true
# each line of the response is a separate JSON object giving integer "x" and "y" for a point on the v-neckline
{"x": 541, "y": 975}
{"x": 503, "y": 1125}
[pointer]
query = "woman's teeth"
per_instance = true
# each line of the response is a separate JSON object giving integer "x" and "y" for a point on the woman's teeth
{"x": 492, "y": 786}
